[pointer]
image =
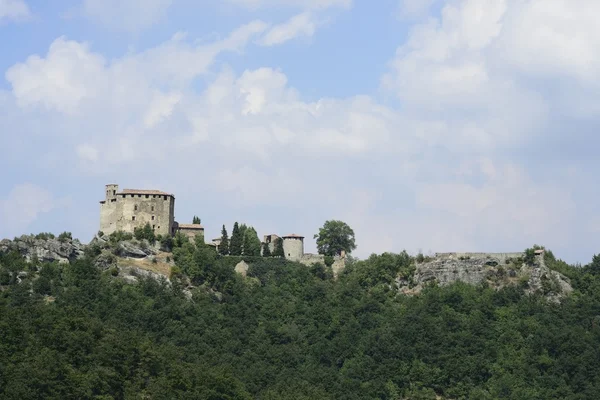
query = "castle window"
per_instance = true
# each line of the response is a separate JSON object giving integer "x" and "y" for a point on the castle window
{"x": 152, "y": 208}
{"x": 114, "y": 192}
{"x": 135, "y": 208}
{"x": 153, "y": 218}
{"x": 153, "y": 226}
{"x": 133, "y": 218}
{"x": 147, "y": 196}
{"x": 133, "y": 195}
{"x": 123, "y": 196}
{"x": 139, "y": 195}
{"x": 113, "y": 200}
{"x": 165, "y": 197}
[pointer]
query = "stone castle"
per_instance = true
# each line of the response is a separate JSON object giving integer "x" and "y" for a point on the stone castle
{"x": 128, "y": 209}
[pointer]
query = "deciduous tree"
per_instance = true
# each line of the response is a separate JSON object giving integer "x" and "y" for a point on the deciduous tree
{"x": 335, "y": 237}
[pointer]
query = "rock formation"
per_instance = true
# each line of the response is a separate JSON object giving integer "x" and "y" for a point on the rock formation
{"x": 496, "y": 269}
{"x": 51, "y": 249}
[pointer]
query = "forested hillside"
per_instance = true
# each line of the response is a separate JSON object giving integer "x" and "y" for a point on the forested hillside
{"x": 287, "y": 331}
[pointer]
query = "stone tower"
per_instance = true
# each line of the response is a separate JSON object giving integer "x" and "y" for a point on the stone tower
{"x": 293, "y": 246}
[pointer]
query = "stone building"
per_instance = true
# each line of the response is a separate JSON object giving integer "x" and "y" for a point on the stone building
{"x": 293, "y": 247}
{"x": 190, "y": 230}
{"x": 128, "y": 209}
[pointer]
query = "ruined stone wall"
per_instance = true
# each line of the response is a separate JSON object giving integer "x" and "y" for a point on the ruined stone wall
{"x": 128, "y": 211}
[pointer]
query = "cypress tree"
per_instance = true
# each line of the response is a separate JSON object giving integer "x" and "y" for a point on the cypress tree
{"x": 278, "y": 251}
{"x": 196, "y": 220}
{"x": 224, "y": 246}
{"x": 266, "y": 250}
{"x": 237, "y": 241}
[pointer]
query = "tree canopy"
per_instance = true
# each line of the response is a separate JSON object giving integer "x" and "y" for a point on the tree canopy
{"x": 288, "y": 331}
{"x": 335, "y": 237}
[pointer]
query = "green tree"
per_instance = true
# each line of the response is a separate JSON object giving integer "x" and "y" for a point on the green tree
{"x": 237, "y": 241}
{"x": 145, "y": 232}
{"x": 335, "y": 237}
{"x": 278, "y": 250}
{"x": 224, "y": 246}
{"x": 266, "y": 250}
{"x": 196, "y": 220}
{"x": 251, "y": 243}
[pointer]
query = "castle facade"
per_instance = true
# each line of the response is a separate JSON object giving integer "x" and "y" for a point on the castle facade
{"x": 128, "y": 209}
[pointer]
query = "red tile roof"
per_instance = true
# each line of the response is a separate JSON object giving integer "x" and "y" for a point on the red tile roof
{"x": 141, "y": 191}
{"x": 191, "y": 226}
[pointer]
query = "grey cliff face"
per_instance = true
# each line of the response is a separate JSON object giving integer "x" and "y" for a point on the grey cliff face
{"x": 44, "y": 249}
{"x": 496, "y": 269}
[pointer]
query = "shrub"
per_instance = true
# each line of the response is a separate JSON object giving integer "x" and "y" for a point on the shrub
{"x": 65, "y": 237}
{"x": 45, "y": 236}
{"x": 145, "y": 232}
{"x": 119, "y": 236}
{"x": 100, "y": 233}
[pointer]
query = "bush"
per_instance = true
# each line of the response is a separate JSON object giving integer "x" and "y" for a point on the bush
{"x": 100, "y": 233}
{"x": 166, "y": 243}
{"x": 45, "y": 236}
{"x": 119, "y": 236}
{"x": 145, "y": 232}
{"x": 65, "y": 237}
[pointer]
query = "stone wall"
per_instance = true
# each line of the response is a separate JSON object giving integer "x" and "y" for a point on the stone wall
{"x": 190, "y": 231}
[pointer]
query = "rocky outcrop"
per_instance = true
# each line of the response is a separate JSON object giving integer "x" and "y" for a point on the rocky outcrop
{"x": 496, "y": 269}
{"x": 50, "y": 249}
{"x": 242, "y": 268}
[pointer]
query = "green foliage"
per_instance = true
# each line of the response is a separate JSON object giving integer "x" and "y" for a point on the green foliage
{"x": 65, "y": 237}
{"x": 119, "y": 236}
{"x": 237, "y": 241}
{"x": 196, "y": 220}
{"x": 335, "y": 237}
{"x": 145, "y": 232}
{"x": 252, "y": 243}
{"x": 278, "y": 248}
{"x": 289, "y": 331}
{"x": 266, "y": 250}
{"x": 529, "y": 257}
{"x": 100, "y": 233}
{"x": 45, "y": 236}
{"x": 224, "y": 245}
{"x": 166, "y": 242}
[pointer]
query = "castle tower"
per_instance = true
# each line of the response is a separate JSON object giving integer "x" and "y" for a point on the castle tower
{"x": 111, "y": 191}
{"x": 293, "y": 246}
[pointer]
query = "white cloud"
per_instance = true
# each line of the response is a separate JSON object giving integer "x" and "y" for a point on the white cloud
{"x": 128, "y": 15}
{"x": 460, "y": 165}
{"x": 302, "y": 24}
{"x": 14, "y": 10}
{"x": 22, "y": 206}
{"x": 553, "y": 38}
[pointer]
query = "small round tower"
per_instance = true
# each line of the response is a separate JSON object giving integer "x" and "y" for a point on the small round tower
{"x": 293, "y": 246}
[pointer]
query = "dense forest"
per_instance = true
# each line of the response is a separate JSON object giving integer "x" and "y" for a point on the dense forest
{"x": 287, "y": 331}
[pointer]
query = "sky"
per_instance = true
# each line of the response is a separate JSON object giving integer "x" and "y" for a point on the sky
{"x": 426, "y": 125}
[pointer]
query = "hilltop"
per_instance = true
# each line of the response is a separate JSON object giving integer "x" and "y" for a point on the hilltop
{"x": 127, "y": 318}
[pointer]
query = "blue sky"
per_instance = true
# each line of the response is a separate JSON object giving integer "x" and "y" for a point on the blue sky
{"x": 459, "y": 125}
